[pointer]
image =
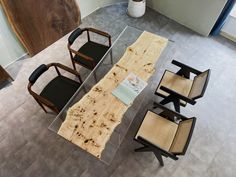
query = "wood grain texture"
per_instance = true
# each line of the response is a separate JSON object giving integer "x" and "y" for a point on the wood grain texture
{"x": 40, "y": 23}
{"x": 90, "y": 122}
{"x": 4, "y": 75}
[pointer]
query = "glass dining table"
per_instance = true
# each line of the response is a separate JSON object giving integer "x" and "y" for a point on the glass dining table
{"x": 127, "y": 37}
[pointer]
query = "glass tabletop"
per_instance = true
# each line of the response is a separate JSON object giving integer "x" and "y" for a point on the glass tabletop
{"x": 127, "y": 37}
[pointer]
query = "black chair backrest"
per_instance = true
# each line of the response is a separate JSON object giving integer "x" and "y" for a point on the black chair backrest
{"x": 74, "y": 35}
{"x": 37, "y": 73}
{"x": 183, "y": 136}
{"x": 199, "y": 86}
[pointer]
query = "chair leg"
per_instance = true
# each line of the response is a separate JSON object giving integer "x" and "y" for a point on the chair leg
{"x": 95, "y": 76}
{"x": 159, "y": 157}
{"x": 157, "y": 153}
{"x": 111, "y": 56}
{"x": 175, "y": 101}
{"x": 84, "y": 88}
{"x": 143, "y": 149}
{"x": 184, "y": 73}
{"x": 154, "y": 105}
{"x": 73, "y": 63}
{"x": 166, "y": 100}
{"x": 177, "y": 105}
{"x": 41, "y": 106}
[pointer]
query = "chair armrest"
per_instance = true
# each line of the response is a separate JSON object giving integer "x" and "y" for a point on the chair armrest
{"x": 80, "y": 54}
{"x": 37, "y": 73}
{"x": 74, "y": 35}
{"x": 148, "y": 143}
{"x": 59, "y": 65}
{"x": 175, "y": 94}
{"x": 170, "y": 114}
{"x": 99, "y": 32}
{"x": 102, "y": 33}
{"x": 186, "y": 68}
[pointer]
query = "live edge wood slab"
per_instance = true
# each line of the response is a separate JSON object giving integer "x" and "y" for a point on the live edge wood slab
{"x": 38, "y": 24}
{"x": 90, "y": 122}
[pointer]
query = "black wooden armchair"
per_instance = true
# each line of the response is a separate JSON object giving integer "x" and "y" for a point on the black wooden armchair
{"x": 91, "y": 52}
{"x": 160, "y": 134}
{"x": 58, "y": 91}
{"x": 179, "y": 88}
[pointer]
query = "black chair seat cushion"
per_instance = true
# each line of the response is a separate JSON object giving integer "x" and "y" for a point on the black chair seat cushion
{"x": 92, "y": 49}
{"x": 60, "y": 90}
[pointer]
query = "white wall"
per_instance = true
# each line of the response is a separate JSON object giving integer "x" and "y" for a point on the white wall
{"x": 198, "y": 15}
{"x": 88, "y": 6}
{"x": 10, "y": 47}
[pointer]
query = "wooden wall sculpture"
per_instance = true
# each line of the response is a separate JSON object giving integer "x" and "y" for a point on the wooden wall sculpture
{"x": 40, "y": 23}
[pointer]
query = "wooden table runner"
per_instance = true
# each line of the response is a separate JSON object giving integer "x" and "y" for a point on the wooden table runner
{"x": 91, "y": 121}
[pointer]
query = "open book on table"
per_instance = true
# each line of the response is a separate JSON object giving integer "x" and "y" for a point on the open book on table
{"x": 129, "y": 88}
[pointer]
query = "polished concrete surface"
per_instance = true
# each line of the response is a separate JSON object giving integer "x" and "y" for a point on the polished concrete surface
{"x": 28, "y": 148}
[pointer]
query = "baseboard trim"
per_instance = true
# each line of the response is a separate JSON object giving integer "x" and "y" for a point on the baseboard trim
{"x": 20, "y": 58}
{"x": 90, "y": 12}
{"x": 228, "y": 36}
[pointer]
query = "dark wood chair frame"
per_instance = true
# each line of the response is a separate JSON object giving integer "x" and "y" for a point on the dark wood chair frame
{"x": 175, "y": 97}
{"x": 158, "y": 151}
{"x": 43, "y": 101}
{"x": 72, "y": 51}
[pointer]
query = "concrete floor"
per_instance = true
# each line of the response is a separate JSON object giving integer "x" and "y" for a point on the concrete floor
{"x": 28, "y": 148}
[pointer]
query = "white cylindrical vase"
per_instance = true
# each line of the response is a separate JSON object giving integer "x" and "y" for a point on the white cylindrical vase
{"x": 136, "y": 8}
